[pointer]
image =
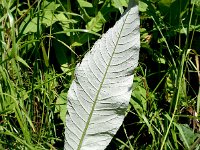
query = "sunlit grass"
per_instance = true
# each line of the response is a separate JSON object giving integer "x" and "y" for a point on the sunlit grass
{"x": 38, "y": 55}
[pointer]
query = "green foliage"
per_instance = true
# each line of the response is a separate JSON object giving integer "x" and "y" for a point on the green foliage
{"x": 39, "y": 47}
{"x": 168, "y": 32}
{"x": 40, "y": 43}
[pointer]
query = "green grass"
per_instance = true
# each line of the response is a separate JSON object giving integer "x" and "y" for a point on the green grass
{"x": 42, "y": 41}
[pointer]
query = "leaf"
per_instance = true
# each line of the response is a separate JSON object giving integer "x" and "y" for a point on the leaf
{"x": 6, "y": 100}
{"x": 44, "y": 52}
{"x": 22, "y": 61}
{"x": 119, "y": 4}
{"x": 197, "y": 6}
{"x": 48, "y": 17}
{"x": 138, "y": 100}
{"x": 83, "y": 3}
{"x": 100, "y": 93}
{"x": 96, "y": 23}
{"x": 61, "y": 105}
{"x": 50, "y": 5}
{"x": 142, "y": 6}
{"x": 191, "y": 136}
{"x": 28, "y": 25}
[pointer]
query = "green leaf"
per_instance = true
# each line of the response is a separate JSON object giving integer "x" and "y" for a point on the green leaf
{"x": 197, "y": 6}
{"x": 139, "y": 95}
{"x": 96, "y": 23}
{"x": 48, "y": 5}
{"x": 100, "y": 93}
{"x": 61, "y": 105}
{"x": 83, "y": 3}
{"x": 197, "y": 2}
{"x": 142, "y": 6}
{"x": 191, "y": 136}
{"x": 119, "y": 4}
{"x": 47, "y": 18}
{"x": 44, "y": 53}
{"x": 31, "y": 26}
{"x": 22, "y": 61}
{"x": 166, "y": 3}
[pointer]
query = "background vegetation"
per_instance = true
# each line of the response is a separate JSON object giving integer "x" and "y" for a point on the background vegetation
{"x": 41, "y": 41}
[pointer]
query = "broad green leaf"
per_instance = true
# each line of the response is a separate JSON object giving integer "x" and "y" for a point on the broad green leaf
{"x": 191, "y": 136}
{"x": 166, "y": 3}
{"x": 142, "y": 6}
{"x": 30, "y": 26}
{"x": 50, "y": 5}
{"x": 83, "y": 3}
{"x": 48, "y": 17}
{"x": 100, "y": 93}
{"x": 139, "y": 95}
{"x": 96, "y": 23}
{"x": 119, "y": 4}
{"x": 61, "y": 105}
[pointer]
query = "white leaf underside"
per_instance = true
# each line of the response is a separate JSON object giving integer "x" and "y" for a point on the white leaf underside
{"x": 101, "y": 90}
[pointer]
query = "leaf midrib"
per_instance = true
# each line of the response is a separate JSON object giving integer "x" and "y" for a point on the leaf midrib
{"x": 97, "y": 95}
